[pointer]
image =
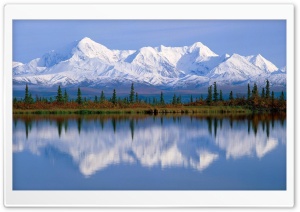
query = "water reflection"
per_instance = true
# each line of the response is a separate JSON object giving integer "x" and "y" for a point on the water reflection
{"x": 195, "y": 142}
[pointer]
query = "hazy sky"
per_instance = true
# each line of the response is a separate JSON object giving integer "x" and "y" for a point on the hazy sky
{"x": 31, "y": 39}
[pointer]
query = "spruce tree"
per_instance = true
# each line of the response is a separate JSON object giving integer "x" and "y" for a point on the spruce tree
{"x": 191, "y": 99}
{"x": 114, "y": 97}
{"x": 215, "y": 95}
{"x": 79, "y": 99}
{"x": 254, "y": 91}
{"x": 66, "y": 96}
{"x": 30, "y": 99}
{"x": 26, "y": 98}
{"x": 102, "y": 97}
{"x": 59, "y": 97}
{"x": 249, "y": 92}
{"x": 267, "y": 89}
{"x": 230, "y": 96}
{"x": 209, "y": 95}
{"x": 96, "y": 99}
{"x": 131, "y": 95}
{"x": 272, "y": 98}
{"x": 263, "y": 93}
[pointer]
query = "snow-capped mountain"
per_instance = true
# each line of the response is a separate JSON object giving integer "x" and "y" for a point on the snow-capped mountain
{"x": 91, "y": 64}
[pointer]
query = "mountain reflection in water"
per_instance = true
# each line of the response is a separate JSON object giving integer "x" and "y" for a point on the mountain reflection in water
{"x": 193, "y": 142}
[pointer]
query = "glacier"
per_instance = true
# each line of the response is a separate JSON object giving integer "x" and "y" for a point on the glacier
{"x": 91, "y": 64}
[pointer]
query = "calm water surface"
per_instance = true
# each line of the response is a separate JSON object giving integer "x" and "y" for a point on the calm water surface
{"x": 119, "y": 152}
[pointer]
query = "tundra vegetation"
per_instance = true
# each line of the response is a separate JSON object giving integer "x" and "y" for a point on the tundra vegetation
{"x": 254, "y": 101}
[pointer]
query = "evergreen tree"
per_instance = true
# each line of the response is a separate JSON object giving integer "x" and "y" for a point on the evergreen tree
{"x": 162, "y": 101}
{"x": 191, "y": 99}
{"x": 209, "y": 95}
{"x": 249, "y": 92}
{"x": 221, "y": 95}
{"x": 79, "y": 99}
{"x": 230, "y": 96}
{"x": 215, "y": 95}
{"x": 27, "y": 96}
{"x": 59, "y": 97}
{"x": 30, "y": 99}
{"x": 114, "y": 97}
{"x": 272, "y": 98}
{"x": 26, "y": 93}
{"x": 66, "y": 96}
{"x": 254, "y": 91}
{"x": 174, "y": 100}
{"x": 102, "y": 97}
{"x": 131, "y": 95}
{"x": 267, "y": 89}
{"x": 263, "y": 93}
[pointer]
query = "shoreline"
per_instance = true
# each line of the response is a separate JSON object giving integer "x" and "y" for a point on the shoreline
{"x": 205, "y": 110}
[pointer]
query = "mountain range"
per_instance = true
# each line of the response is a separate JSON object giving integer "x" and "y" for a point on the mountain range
{"x": 90, "y": 64}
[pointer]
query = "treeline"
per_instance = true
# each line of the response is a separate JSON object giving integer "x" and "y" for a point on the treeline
{"x": 255, "y": 100}
{"x": 62, "y": 98}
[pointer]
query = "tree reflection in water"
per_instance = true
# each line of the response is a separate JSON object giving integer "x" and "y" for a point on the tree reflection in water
{"x": 170, "y": 142}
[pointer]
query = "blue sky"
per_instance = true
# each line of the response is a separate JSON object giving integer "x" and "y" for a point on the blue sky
{"x": 31, "y": 39}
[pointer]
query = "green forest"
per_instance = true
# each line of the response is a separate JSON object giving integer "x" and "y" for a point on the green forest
{"x": 254, "y": 101}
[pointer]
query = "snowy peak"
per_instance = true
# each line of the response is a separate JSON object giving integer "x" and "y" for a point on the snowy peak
{"x": 89, "y": 46}
{"x": 197, "y": 45}
{"x": 147, "y": 56}
{"x": 235, "y": 69}
{"x": 262, "y": 63}
{"x": 187, "y": 67}
{"x": 202, "y": 50}
{"x": 91, "y": 49}
{"x": 87, "y": 40}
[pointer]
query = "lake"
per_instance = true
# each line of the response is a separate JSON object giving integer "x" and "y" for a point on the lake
{"x": 147, "y": 152}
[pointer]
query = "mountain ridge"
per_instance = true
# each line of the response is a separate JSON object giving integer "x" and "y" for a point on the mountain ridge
{"x": 86, "y": 62}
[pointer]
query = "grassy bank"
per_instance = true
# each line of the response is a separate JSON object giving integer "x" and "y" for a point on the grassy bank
{"x": 154, "y": 110}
